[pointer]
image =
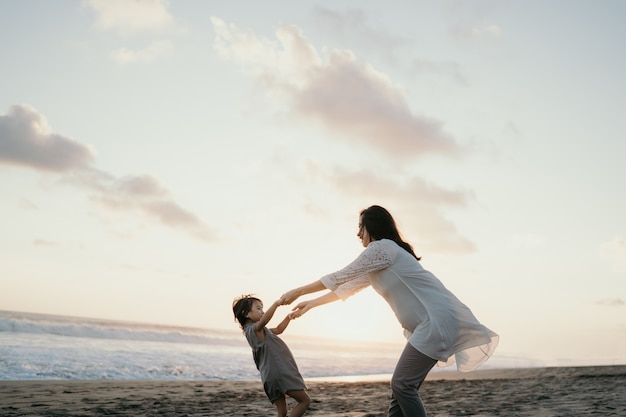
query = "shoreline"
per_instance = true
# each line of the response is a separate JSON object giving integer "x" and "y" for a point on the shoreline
{"x": 447, "y": 374}
{"x": 536, "y": 392}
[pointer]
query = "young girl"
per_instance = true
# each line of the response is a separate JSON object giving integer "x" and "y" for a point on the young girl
{"x": 273, "y": 359}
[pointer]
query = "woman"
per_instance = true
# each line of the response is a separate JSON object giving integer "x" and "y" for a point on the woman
{"x": 439, "y": 328}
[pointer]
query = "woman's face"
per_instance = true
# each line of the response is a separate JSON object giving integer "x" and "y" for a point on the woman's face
{"x": 362, "y": 234}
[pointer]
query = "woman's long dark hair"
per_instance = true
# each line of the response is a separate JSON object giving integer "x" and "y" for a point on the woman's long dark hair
{"x": 380, "y": 225}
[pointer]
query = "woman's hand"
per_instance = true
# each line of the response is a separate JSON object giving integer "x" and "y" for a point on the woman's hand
{"x": 290, "y": 296}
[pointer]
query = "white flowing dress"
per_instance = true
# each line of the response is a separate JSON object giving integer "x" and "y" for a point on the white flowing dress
{"x": 434, "y": 320}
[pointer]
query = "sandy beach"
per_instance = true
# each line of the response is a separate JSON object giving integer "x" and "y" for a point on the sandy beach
{"x": 537, "y": 392}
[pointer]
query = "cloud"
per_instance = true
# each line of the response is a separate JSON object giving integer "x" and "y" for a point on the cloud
{"x": 43, "y": 242}
{"x": 130, "y": 17}
{"x": 420, "y": 204}
{"x": 152, "y": 52}
{"x": 448, "y": 69}
{"x": 471, "y": 21}
{"x": 614, "y": 252}
{"x": 335, "y": 90}
{"x": 611, "y": 302}
{"x": 27, "y": 139}
{"x": 143, "y": 194}
{"x": 475, "y": 31}
{"x": 353, "y": 27}
{"x": 27, "y": 205}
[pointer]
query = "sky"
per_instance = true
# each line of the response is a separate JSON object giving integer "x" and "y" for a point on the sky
{"x": 160, "y": 158}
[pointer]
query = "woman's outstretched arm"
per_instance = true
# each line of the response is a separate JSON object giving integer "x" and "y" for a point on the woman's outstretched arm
{"x": 305, "y": 306}
{"x": 292, "y": 295}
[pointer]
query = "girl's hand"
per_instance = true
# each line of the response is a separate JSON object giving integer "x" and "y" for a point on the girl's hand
{"x": 301, "y": 308}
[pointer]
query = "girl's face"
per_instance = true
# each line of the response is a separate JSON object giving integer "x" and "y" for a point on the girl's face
{"x": 256, "y": 312}
{"x": 362, "y": 234}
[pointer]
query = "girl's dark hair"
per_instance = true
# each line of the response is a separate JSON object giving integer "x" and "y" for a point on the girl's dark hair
{"x": 242, "y": 306}
{"x": 380, "y": 225}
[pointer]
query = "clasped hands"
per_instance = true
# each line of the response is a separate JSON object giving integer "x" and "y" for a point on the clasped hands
{"x": 291, "y": 296}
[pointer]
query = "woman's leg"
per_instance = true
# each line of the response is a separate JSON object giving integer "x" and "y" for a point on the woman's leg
{"x": 410, "y": 372}
{"x": 303, "y": 402}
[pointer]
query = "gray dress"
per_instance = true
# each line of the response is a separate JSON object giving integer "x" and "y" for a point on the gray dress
{"x": 273, "y": 359}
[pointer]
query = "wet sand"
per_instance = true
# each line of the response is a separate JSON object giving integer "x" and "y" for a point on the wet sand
{"x": 537, "y": 392}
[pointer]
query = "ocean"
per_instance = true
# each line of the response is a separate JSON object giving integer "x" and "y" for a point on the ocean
{"x": 49, "y": 347}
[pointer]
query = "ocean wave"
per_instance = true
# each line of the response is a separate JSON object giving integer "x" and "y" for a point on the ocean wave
{"x": 42, "y": 324}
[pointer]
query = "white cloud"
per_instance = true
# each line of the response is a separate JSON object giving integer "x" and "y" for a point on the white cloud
{"x": 614, "y": 252}
{"x": 471, "y": 21}
{"x": 130, "y": 17}
{"x": 43, "y": 242}
{"x": 611, "y": 302}
{"x": 352, "y": 99}
{"x": 478, "y": 31}
{"x": 154, "y": 51}
{"x": 282, "y": 63}
{"x": 447, "y": 69}
{"x": 424, "y": 216}
{"x": 27, "y": 139}
{"x": 27, "y": 205}
{"x": 141, "y": 194}
{"x": 353, "y": 27}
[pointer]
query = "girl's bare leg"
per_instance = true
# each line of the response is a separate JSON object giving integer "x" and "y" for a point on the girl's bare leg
{"x": 303, "y": 402}
{"x": 281, "y": 407}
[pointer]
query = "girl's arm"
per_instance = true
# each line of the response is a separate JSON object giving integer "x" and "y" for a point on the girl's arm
{"x": 291, "y": 296}
{"x": 305, "y": 306}
{"x": 265, "y": 318}
{"x": 281, "y": 326}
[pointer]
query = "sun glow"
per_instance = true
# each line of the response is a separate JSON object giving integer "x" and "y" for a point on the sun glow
{"x": 362, "y": 318}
